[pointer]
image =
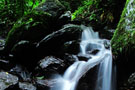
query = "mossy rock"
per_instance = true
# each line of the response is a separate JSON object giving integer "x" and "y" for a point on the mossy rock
{"x": 31, "y": 27}
{"x": 35, "y": 25}
{"x": 54, "y": 7}
{"x": 124, "y": 37}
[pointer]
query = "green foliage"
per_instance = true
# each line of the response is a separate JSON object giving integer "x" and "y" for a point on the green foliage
{"x": 12, "y": 10}
{"x": 40, "y": 78}
{"x": 81, "y": 10}
{"x": 17, "y": 7}
{"x": 88, "y": 10}
{"x": 35, "y": 23}
{"x": 95, "y": 10}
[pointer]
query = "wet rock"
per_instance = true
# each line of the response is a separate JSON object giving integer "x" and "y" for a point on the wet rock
{"x": 70, "y": 58}
{"x": 51, "y": 64}
{"x": 45, "y": 84}
{"x": 23, "y": 48}
{"x": 22, "y": 73}
{"x": 87, "y": 82}
{"x": 83, "y": 57}
{"x": 107, "y": 44}
{"x": 71, "y": 47}
{"x": 53, "y": 42}
{"x": 93, "y": 52}
{"x": 90, "y": 48}
{"x": 26, "y": 86}
{"x": 7, "y": 80}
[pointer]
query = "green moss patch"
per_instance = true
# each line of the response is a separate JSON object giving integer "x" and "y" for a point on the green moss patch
{"x": 124, "y": 36}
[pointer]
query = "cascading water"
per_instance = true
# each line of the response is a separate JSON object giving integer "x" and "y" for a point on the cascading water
{"x": 90, "y": 42}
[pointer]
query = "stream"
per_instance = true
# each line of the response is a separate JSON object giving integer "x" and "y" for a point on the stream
{"x": 90, "y": 41}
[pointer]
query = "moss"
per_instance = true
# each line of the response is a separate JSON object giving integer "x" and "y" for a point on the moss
{"x": 82, "y": 11}
{"x": 31, "y": 27}
{"x": 124, "y": 36}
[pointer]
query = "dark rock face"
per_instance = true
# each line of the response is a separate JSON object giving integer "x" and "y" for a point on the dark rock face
{"x": 70, "y": 58}
{"x": 52, "y": 43}
{"x": 21, "y": 72}
{"x": 130, "y": 84}
{"x": 7, "y": 80}
{"x": 88, "y": 81}
{"x": 54, "y": 7}
{"x": 71, "y": 47}
{"x": 4, "y": 64}
{"x": 51, "y": 65}
{"x": 24, "y": 51}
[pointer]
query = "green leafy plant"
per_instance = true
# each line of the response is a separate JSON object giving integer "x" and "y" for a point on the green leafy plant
{"x": 12, "y": 10}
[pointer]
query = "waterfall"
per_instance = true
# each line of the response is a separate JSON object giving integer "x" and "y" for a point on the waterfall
{"x": 90, "y": 41}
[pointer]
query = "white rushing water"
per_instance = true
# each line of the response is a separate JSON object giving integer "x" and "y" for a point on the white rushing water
{"x": 90, "y": 41}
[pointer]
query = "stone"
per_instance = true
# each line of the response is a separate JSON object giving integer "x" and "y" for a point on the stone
{"x": 51, "y": 64}
{"x": 21, "y": 72}
{"x": 26, "y": 86}
{"x": 83, "y": 57}
{"x": 52, "y": 43}
{"x": 45, "y": 84}
{"x": 7, "y": 80}
{"x": 70, "y": 58}
{"x": 54, "y": 7}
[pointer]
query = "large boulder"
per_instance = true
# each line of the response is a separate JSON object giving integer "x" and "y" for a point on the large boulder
{"x": 7, "y": 80}
{"x": 124, "y": 37}
{"x": 54, "y": 7}
{"x": 32, "y": 27}
{"x": 52, "y": 44}
{"x": 50, "y": 65}
{"x": 123, "y": 42}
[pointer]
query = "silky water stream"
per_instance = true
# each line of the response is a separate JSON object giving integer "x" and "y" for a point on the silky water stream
{"x": 90, "y": 41}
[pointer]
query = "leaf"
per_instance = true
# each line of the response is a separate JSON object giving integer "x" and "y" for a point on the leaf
{"x": 42, "y": 77}
{"x": 102, "y": 16}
